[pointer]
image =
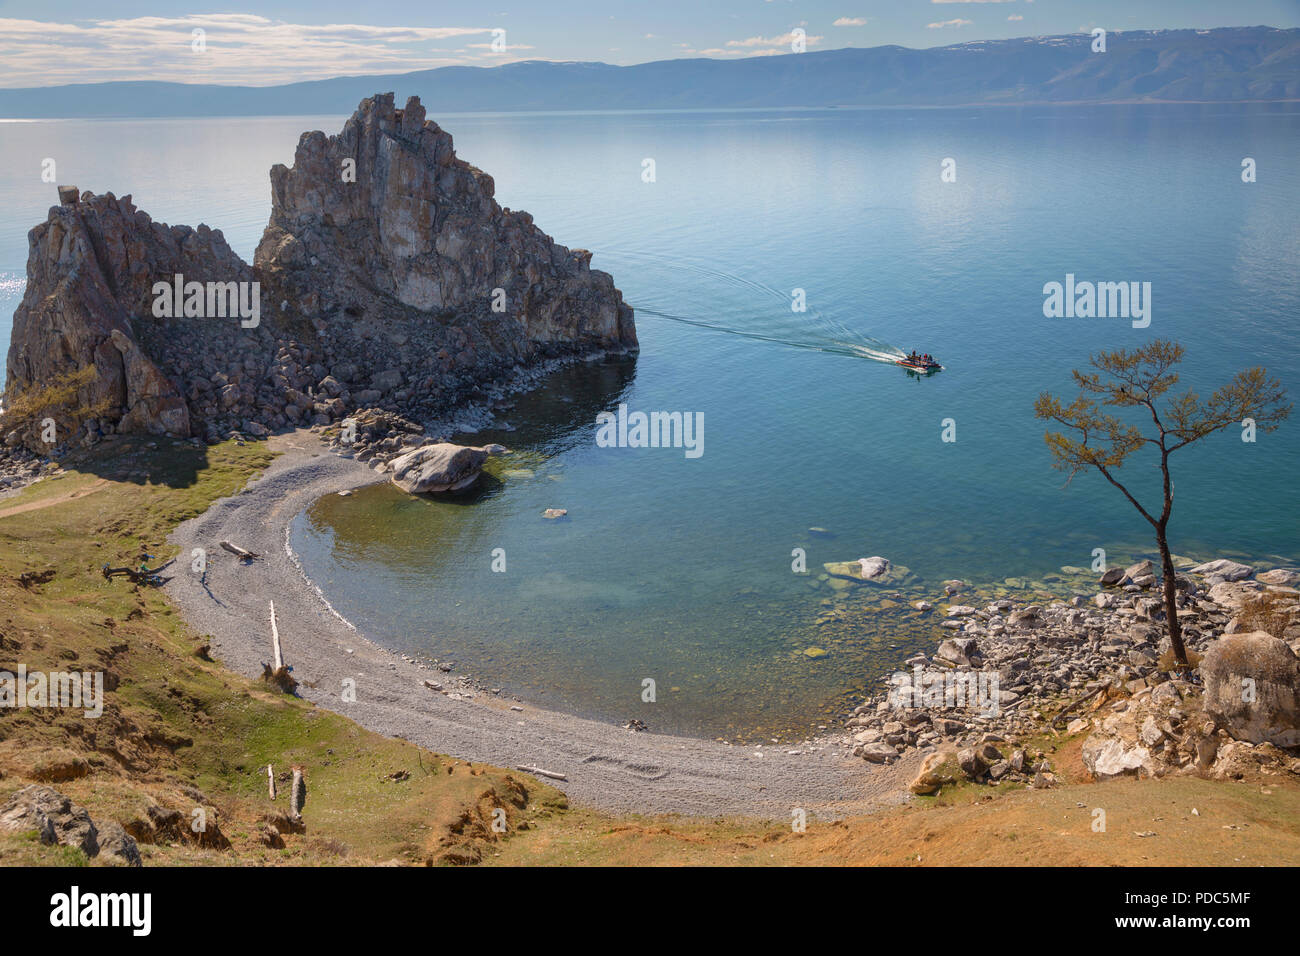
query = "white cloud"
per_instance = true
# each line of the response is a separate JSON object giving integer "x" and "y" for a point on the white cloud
{"x": 850, "y": 22}
{"x": 240, "y": 48}
{"x": 1015, "y": 16}
{"x": 784, "y": 40}
{"x": 940, "y": 24}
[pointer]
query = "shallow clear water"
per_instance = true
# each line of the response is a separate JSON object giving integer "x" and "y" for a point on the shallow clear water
{"x": 678, "y": 569}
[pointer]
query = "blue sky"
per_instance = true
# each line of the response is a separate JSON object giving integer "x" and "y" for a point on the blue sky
{"x": 44, "y": 42}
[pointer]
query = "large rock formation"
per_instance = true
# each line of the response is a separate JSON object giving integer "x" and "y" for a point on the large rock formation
{"x": 387, "y": 276}
{"x": 384, "y": 220}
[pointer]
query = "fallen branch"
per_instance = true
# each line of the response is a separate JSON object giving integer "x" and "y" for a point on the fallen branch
{"x": 542, "y": 773}
{"x": 1085, "y": 698}
{"x": 139, "y": 575}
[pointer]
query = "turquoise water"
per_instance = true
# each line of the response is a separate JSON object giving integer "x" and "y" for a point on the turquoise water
{"x": 679, "y": 569}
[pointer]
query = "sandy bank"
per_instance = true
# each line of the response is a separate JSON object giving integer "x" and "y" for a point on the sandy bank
{"x": 607, "y": 766}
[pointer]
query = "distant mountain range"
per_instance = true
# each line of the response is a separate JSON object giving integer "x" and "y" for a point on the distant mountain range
{"x": 1237, "y": 64}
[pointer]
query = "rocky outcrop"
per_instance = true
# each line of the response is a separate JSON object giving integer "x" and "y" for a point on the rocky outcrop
{"x": 57, "y": 820}
{"x": 90, "y": 269}
{"x": 388, "y": 277}
{"x": 384, "y": 221}
{"x": 1224, "y": 569}
{"x": 54, "y": 817}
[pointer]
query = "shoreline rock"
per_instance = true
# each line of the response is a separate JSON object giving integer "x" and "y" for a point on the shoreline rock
{"x": 1036, "y": 659}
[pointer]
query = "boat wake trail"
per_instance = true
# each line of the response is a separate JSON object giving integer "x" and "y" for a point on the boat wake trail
{"x": 770, "y": 319}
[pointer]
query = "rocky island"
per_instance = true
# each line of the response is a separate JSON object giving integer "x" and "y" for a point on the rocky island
{"x": 388, "y": 277}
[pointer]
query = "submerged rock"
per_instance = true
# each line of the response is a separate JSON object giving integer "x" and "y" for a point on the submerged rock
{"x": 876, "y": 571}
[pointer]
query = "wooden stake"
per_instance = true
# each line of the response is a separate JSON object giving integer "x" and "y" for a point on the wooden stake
{"x": 297, "y": 794}
{"x": 270, "y": 781}
{"x": 275, "y": 640}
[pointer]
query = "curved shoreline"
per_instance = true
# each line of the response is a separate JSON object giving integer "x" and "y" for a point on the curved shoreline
{"x": 607, "y": 767}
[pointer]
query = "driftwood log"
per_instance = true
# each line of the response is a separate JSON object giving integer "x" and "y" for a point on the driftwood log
{"x": 137, "y": 575}
{"x": 239, "y": 552}
{"x": 552, "y": 774}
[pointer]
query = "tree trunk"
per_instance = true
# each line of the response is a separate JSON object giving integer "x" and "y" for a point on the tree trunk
{"x": 1171, "y": 600}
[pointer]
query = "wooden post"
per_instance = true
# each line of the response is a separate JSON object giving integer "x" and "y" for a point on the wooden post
{"x": 270, "y": 781}
{"x": 297, "y": 794}
{"x": 275, "y": 640}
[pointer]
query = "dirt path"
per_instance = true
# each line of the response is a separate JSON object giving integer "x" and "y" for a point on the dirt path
{"x": 89, "y": 489}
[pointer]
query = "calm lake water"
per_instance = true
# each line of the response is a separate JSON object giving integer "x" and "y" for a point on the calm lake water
{"x": 678, "y": 569}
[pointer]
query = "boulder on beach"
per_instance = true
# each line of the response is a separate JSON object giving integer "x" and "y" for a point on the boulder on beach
{"x": 1252, "y": 687}
{"x": 1142, "y": 574}
{"x": 937, "y": 770}
{"x": 1280, "y": 577}
{"x": 957, "y": 650}
{"x": 442, "y": 467}
{"x": 1111, "y": 576}
{"x": 1223, "y": 568}
{"x": 1233, "y": 594}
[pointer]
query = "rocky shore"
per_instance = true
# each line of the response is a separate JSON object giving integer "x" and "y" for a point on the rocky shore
{"x": 1015, "y": 673}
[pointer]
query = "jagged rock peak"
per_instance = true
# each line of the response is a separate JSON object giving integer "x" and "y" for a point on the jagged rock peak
{"x": 384, "y": 218}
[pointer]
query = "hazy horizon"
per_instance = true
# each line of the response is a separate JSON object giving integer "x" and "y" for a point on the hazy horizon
{"x": 70, "y": 42}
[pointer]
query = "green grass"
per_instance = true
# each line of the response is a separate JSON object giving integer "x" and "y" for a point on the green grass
{"x": 176, "y": 725}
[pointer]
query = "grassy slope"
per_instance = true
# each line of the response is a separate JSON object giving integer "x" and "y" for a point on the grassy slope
{"x": 182, "y": 732}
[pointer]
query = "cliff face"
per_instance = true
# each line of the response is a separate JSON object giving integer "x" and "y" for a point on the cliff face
{"x": 387, "y": 276}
